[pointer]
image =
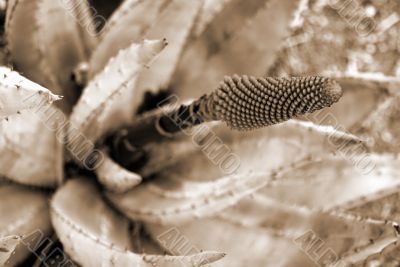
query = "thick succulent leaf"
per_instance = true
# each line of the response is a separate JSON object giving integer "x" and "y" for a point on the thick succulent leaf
{"x": 183, "y": 188}
{"x": 257, "y": 219}
{"x": 30, "y": 152}
{"x": 265, "y": 249}
{"x": 289, "y": 142}
{"x": 118, "y": 15}
{"x": 114, "y": 177}
{"x": 140, "y": 15}
{"x": 233, "y": 46}
{"x": 174, "y": 21}
{"x": 86, "y": 210}
{"x": 352, "y": 236}
{"x": 260, "y": 212}
{"x": 388, "y": 256}
{"x": 44, "y": 53}
{"x": 84, "y": 14}
{"x": 378, "y": 205}
{"x": 21, "y": 28}
{"x": 209, "y": 10}
{"x": 351, "y": 232}
{"x": 63, "y": 47}
{"x": 254, "y": 218}
{"x": 382, "y": 127}
{"x": 175, "y": 202}
{"x": 381, "y": 206}
{"x": 98, "y": 109}
{"x": 174, "y": 24}
{"x": 341, "y": 234}
{"x": 18, "y": 93}
{"x": 332, "y": 181}
{"x": 87, "y": 226}
{"x": 183, "y": 192}
{"x": 282, "y": 219}
{"x": 25, "y": 212}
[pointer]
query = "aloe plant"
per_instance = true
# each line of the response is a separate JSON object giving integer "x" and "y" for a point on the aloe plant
{"x": 316, "y": 190}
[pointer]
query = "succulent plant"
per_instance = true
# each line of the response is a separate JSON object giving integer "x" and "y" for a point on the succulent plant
{"x": 123, "y": 170}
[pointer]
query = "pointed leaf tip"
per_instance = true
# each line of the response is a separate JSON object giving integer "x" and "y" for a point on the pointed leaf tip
{"x": 152, "y": 48}
{"x": 19, "y": 93}
{"x": 101, "y": 230}
{"x": 115, "y": 178}
{"x": 208, "y": 257}
{"x": 105, "y": 102}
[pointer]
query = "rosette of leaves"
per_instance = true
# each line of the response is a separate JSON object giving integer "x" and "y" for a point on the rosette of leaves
{"x": 305, "y": 193}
